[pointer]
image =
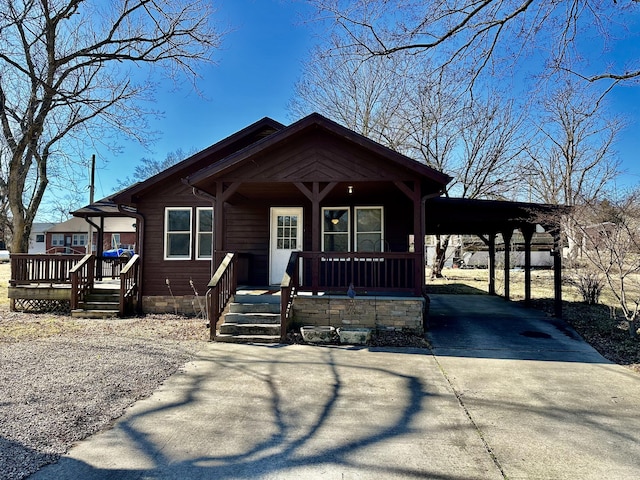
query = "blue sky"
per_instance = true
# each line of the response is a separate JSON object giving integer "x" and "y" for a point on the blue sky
{"x": 254, "y": 77}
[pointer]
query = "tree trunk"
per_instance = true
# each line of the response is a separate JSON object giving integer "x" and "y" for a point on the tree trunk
{"x": 442, "y": 243}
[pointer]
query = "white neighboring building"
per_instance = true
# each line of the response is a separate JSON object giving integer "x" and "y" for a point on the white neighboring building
{"x": 37, "y": 239}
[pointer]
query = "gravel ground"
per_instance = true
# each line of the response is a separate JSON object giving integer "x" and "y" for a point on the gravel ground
{"x": 63, "y": 379}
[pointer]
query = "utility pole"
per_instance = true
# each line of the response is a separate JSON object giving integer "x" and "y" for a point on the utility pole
{"x": 92, "y": 187}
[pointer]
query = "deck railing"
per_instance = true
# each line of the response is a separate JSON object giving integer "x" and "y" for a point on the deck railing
{"x": 221, "y": 288}
{"x": 369, "y": 272}
{"x": 39, "y": 268}
{"x": 129, "y": 286}
{"x": 82, "y": 276}
{"x": 110, "y": 267}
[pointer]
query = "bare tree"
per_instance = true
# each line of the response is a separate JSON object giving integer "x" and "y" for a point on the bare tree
{"x": 66, "y": 80}
{"x": 148, "y": 167}
{"x": 365, "y": 96}
{"x": 613, "y": 249}
{"x": 572, "y": 159}
{"x": 475, "y": 35}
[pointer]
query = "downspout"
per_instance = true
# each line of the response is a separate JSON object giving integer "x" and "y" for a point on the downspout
{"x": 140, "y": 244}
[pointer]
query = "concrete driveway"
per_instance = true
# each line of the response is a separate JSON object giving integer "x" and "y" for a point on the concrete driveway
{"x": 522, "y": 397}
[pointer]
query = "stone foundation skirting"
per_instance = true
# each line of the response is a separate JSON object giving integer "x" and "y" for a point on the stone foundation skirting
{"x": 188, "y": 305}
{"x": 399, "y": 313}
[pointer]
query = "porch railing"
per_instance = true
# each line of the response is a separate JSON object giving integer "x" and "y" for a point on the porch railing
{"x": 82, "y": 276}
{"x": 129, "y": 286}
{"x": 369, "y": 272}
{"x": 38, "y": 268}
{"x": 221, "y": 288}
{"x": 288, "y": 288}
{"x": 331, "y": 272}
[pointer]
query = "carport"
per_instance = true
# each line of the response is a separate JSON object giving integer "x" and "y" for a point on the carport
{"x": 488, "y": 218}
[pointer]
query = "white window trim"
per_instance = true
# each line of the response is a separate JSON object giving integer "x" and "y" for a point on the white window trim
{"x": 348, "y": 210}
{"x": 166, "y": 232}
{"x": 198, "y": 232}
{"x": 57, "y": 239}
{"x": 355, "y": 222}
{"x": 76, "y": 237}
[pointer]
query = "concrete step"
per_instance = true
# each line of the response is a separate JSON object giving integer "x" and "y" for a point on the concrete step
{"x": 270, "y": 318}
{"x": 79, "y": 313}
{"x": 248, "y": 338}
{"x": 254, "y": 307}
{"x": 245, "y": 329}
{"x": 243, "y": 298}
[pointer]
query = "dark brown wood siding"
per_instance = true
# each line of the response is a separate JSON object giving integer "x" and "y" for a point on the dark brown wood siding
{"x": 156, "y": 269}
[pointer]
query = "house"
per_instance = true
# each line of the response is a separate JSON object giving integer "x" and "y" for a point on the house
{"x": 307, "y": 212}
{"x": 37, "y": 243}
{"x": 72, "y": 236}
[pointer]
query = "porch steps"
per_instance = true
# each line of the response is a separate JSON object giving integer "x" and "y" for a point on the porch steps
{"x": 251, "y": 319}
{"x": 100, "y": 303}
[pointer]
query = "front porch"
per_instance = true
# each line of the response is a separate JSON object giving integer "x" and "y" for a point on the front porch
{"x": 81, "y": 285}
{"x": 372, "y": 290}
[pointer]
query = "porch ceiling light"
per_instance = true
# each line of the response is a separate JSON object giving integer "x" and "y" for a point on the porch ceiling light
{"x": 335, "y": 221}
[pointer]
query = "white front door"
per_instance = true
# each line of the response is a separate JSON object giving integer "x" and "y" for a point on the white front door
{"x": 286, "y": 237}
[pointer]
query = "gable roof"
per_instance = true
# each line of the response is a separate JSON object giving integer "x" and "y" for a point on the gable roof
{"x": 316, "y": 122}
{"x": 79, "y": 225}
{"x": 239, "y": 140}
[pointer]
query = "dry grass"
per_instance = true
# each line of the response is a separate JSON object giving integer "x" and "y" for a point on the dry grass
{"x": 5, "y": 273}
{"x": 608, "y": 335}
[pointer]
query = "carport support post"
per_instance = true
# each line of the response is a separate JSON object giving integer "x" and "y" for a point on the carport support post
{"x": 506, "y": 236}
{"x": 557, "y": 271}
{"x": 527, "y": 233}
{"x": 491, "y": 242}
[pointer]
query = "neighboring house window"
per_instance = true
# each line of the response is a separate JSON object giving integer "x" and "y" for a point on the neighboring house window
{"x": 115, "y": 240}
{"x": 369, "y": 231}
{"x": 40, "y": 238}
{"x": 57, "y": 239}
{"x": 177, "y": 239}
{"x": 204, "y": 235}
{"x": 79, "y": 239}
{"x": 335, "y": 229}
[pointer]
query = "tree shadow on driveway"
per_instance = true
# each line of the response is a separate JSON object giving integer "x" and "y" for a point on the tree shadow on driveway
{"x": 290, "y": 412}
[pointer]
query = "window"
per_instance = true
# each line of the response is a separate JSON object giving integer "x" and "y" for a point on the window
{"x": 115, "y": 240}
{"x": 287, "y": 234}
{"x": 335, "y": 229}
{"x": 79, "y": 239}
{"x": 177, "y": 240}
{"x": 40, "y": 238}
{"x": 57, "y": 239}
{"x": 369, "y": 231}
{"x": 204, "y": 229}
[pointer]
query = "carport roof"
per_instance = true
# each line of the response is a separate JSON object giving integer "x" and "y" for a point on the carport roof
{"x": 445, "y": 215}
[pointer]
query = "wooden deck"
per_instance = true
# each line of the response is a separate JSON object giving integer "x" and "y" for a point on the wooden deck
{"x": 58, "y": 283}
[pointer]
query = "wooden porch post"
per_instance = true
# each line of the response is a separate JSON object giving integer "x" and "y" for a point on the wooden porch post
{"x": 557, "y": 272}
{"x": 492, "y": 263}
{"x": 415, "y": 194}
{"x": 527, "y": 233}
{"x": 315, "y": 196}
{"x": 506, "y": 236}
